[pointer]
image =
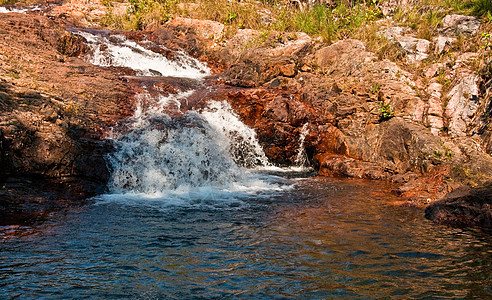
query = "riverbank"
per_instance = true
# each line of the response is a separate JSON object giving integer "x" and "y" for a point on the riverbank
{"x": 420, "y": 118}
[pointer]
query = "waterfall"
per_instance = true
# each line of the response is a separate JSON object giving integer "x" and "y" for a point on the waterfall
{"x": 211, "y": 148}
{"x": 164, "y": 150}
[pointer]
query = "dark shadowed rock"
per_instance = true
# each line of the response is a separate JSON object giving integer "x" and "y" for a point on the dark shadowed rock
{"x": 464, "y": 207}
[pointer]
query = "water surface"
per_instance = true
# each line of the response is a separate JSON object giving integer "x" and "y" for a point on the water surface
{"x": 321, "y": 238}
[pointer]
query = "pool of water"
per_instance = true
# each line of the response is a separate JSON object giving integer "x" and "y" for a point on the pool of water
{"x": 320, "y": 238}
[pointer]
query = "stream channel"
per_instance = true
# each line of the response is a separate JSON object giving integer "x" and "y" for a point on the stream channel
{"x": 195, "y": 210}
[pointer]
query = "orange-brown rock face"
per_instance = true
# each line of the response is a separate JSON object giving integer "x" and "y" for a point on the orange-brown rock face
{"x": 54, "y": 107}
{"x": 338, "y": 93}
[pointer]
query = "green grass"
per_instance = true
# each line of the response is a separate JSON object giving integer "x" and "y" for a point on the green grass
{"x": 343, "y": 19}
{"x": 329, "y": 23}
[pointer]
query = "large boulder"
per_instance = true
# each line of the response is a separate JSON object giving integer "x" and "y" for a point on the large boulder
{"x": 464, "y": 207}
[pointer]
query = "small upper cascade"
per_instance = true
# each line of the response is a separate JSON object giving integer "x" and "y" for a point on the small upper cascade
{"x": 118, "y": 51}
{"x": 6, "y": 10}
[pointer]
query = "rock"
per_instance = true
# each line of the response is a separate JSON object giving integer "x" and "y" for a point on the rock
{"x": 464, "y": 207}
{"x": 394, "y": 32}
{"x": 81, "y": 12}
{"x": 53, "y": 120}
{"x": 443, "y": 43}
{"x": 243, "y": 37}
{"x": 206, "y": 29}
{"x": 403, "y": 178}
{"x": 343, "y": 57}
{"x": 463, "y": 105}
{"x": 433, "y": 70}
{"x": 416, "y": 49}
{"x": 335, "y": 165}
{"x": 435, "y": 112}
{"x": 459, "y": 24}
{"x": 291, "y": 44}
{"x": 463, "y": 61}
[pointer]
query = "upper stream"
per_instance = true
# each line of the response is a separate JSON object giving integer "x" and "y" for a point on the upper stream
{"x": 195, "y": 210}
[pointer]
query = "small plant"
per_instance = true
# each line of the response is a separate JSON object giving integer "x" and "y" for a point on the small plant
{"x": 448, "y": 153}
{"x": 487, "y": 40}
{"x": 385, "y": 112}
{"x": 375, "y": 88}
{"x": 231, "y": 16}
{"x": 441, "y": 77}
{"x": 14, "y": 74}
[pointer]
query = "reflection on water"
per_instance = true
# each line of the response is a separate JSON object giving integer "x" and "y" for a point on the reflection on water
{"x": 325, "y": 238}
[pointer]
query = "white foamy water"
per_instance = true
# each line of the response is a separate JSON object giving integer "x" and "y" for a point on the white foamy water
{"x": 195, "y": 158}
{"x": 239, "y": 139}
{"x": 6, "y": 10}
{"x": 117, "y": 51}
{"x": 301, "y": 157}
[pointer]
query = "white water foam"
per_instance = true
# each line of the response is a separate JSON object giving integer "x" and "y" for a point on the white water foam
{"x": 239, "y": 139}
{"x": 301, "y": 158}
{"x": 194, "y": 158}
{"x": 117, "y": 51}
{"x": 6, "y": 10}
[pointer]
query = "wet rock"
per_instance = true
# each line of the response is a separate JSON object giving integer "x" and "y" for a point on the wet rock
{"x": 403, "y": 178}
{"x": 333, "y": 165}
{"x": 453, "y": 25}
{"x": 464, "y": 207}
{"x": 54, "y": 118}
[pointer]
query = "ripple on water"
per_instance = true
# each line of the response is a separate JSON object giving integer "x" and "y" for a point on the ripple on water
{"x": 321, "y": 239}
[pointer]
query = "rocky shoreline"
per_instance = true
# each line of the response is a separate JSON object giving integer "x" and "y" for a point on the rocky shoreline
{"x": 367, "y": 117}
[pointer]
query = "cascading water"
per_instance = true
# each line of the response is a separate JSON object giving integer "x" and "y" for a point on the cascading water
{"x": 301, "y": 157}
{"x": 117, "y": 51}
{"x": 6, "y": 10}
{"x": 166, "y": 151}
